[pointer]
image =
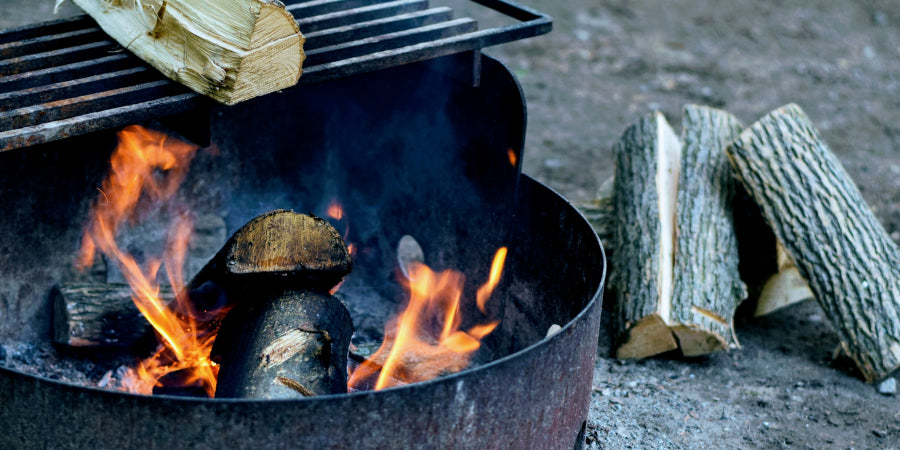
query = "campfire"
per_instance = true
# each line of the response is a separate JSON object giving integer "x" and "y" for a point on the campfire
{"x": 301, "y": 255}
{"x": 426, "y": 173}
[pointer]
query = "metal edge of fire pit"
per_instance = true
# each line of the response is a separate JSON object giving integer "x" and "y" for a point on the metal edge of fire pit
{"x": 36, "y": 412}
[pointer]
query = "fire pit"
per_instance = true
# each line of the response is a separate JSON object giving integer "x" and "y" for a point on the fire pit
{"x": 421, "y": 149}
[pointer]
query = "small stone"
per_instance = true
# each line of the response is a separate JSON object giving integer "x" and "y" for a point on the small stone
{"x": 766, "y": 424}
{"x": 887, "y": 387}
{"x": 869, "y": 53}
{"x": 879, "y": 433}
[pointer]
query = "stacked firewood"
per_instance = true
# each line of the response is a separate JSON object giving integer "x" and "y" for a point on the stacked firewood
{"x": 672, "y": 225}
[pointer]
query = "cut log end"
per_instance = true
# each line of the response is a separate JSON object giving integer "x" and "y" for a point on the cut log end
{"x": 694, "y": 341}
{"x": 649, "y": 336}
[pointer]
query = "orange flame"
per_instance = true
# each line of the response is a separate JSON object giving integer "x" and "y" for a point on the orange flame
{"x": 511, "y": 155}
{"x": 335, "y": 210}
{"x": 146, "y": 168}
{"x": 425, "y": 340}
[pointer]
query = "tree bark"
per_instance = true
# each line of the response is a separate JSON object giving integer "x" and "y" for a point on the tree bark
{"x": 707, "y": 287}
{"x": 229, "y": 50}
{"x": 284, "y": 345}
{"x": 286, "y": 337}
{"x": 98, "y": 315}
{"x": 675, "y": 274}
{"x": 818, "y": 214}
{"x": 644, "y": 202}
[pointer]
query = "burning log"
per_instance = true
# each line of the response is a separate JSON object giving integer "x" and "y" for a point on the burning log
{"x": 286, "y": 337}
{"x": 838, "y": 245}
{"x": 229, "y": 50}
{"x": 673, "y": 224}
{"x": 98, "y": 314}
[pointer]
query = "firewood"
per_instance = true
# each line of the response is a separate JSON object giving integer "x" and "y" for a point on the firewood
{"x": 644, "y": 199}
{"x": 707, "y": 287}
{"x": 784, "y": 288}
{"x": 286, "y": 344}
{"x": 229, "y": 50}
{"x": 838, "y": 245}
{"x": 675, "y": 274}
{"x": 286, "y": 337}
{"x": 98, "y": 315}
{"x": 279, "y": 246}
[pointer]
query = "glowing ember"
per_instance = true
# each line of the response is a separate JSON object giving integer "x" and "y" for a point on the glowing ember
{"x": 146, "y": 170}
{"x": 425, "y": 340}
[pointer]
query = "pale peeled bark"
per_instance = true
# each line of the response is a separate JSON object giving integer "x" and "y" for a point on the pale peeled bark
{"x": 838, "y": 245}
{"x": 229, "y": 50}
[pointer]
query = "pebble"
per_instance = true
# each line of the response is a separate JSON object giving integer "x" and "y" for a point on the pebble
{"x": 887, "y": 387}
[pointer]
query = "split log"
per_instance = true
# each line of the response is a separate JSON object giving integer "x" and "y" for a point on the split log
{"x": 784, "y": 288}
{"x": 675, "y": 274}
{"x": 838, "y": 245}
{"x": 229, "y": 50}
{"x": 98, "y": 315}
{"x": 644, "y": 199}
{"x": 286, "y": 337}
{"x": 707, "y": 287}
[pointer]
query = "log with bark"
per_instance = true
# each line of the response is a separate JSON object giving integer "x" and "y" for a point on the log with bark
{"x": 229, "y": 50}
{"x": 286, "y": 337}
{"x": 820, "y": 217}
{"x": 98, "y": 315}
{"x": 675, "y": 274}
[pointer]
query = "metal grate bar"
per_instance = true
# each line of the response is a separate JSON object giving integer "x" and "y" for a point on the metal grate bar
{"x": 311, "y": 24}
{"x": 66, "y": 77}
{"x": 363, "y": 30}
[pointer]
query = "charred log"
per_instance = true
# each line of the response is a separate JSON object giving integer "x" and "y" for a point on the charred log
{"x": 838, "y": 245}
{"x": 286, "y": 336}
{"x": 284, "y": 345}
{"x": 98, "y": 315}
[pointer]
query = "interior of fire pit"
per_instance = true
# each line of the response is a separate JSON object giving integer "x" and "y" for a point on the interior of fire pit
{"x": 439, "y": 165}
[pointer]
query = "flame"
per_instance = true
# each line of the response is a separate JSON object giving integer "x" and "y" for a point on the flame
{"x": 145, "y": 171}
{"x": 425, "y": 341}
{"x": 511, "y": 155}
{"x": 335, "y": 210}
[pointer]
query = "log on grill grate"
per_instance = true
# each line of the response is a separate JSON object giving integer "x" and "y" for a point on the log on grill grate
{"x": 66, "y": 78}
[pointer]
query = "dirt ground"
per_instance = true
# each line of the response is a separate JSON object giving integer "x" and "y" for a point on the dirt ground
{"x": 608, "y": 62}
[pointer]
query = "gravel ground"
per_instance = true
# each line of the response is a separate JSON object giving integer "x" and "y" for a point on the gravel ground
{"x": 608, "y": 62}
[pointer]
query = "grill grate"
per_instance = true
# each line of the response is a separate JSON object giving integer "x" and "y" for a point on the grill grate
{"x": 65, "y": 78}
